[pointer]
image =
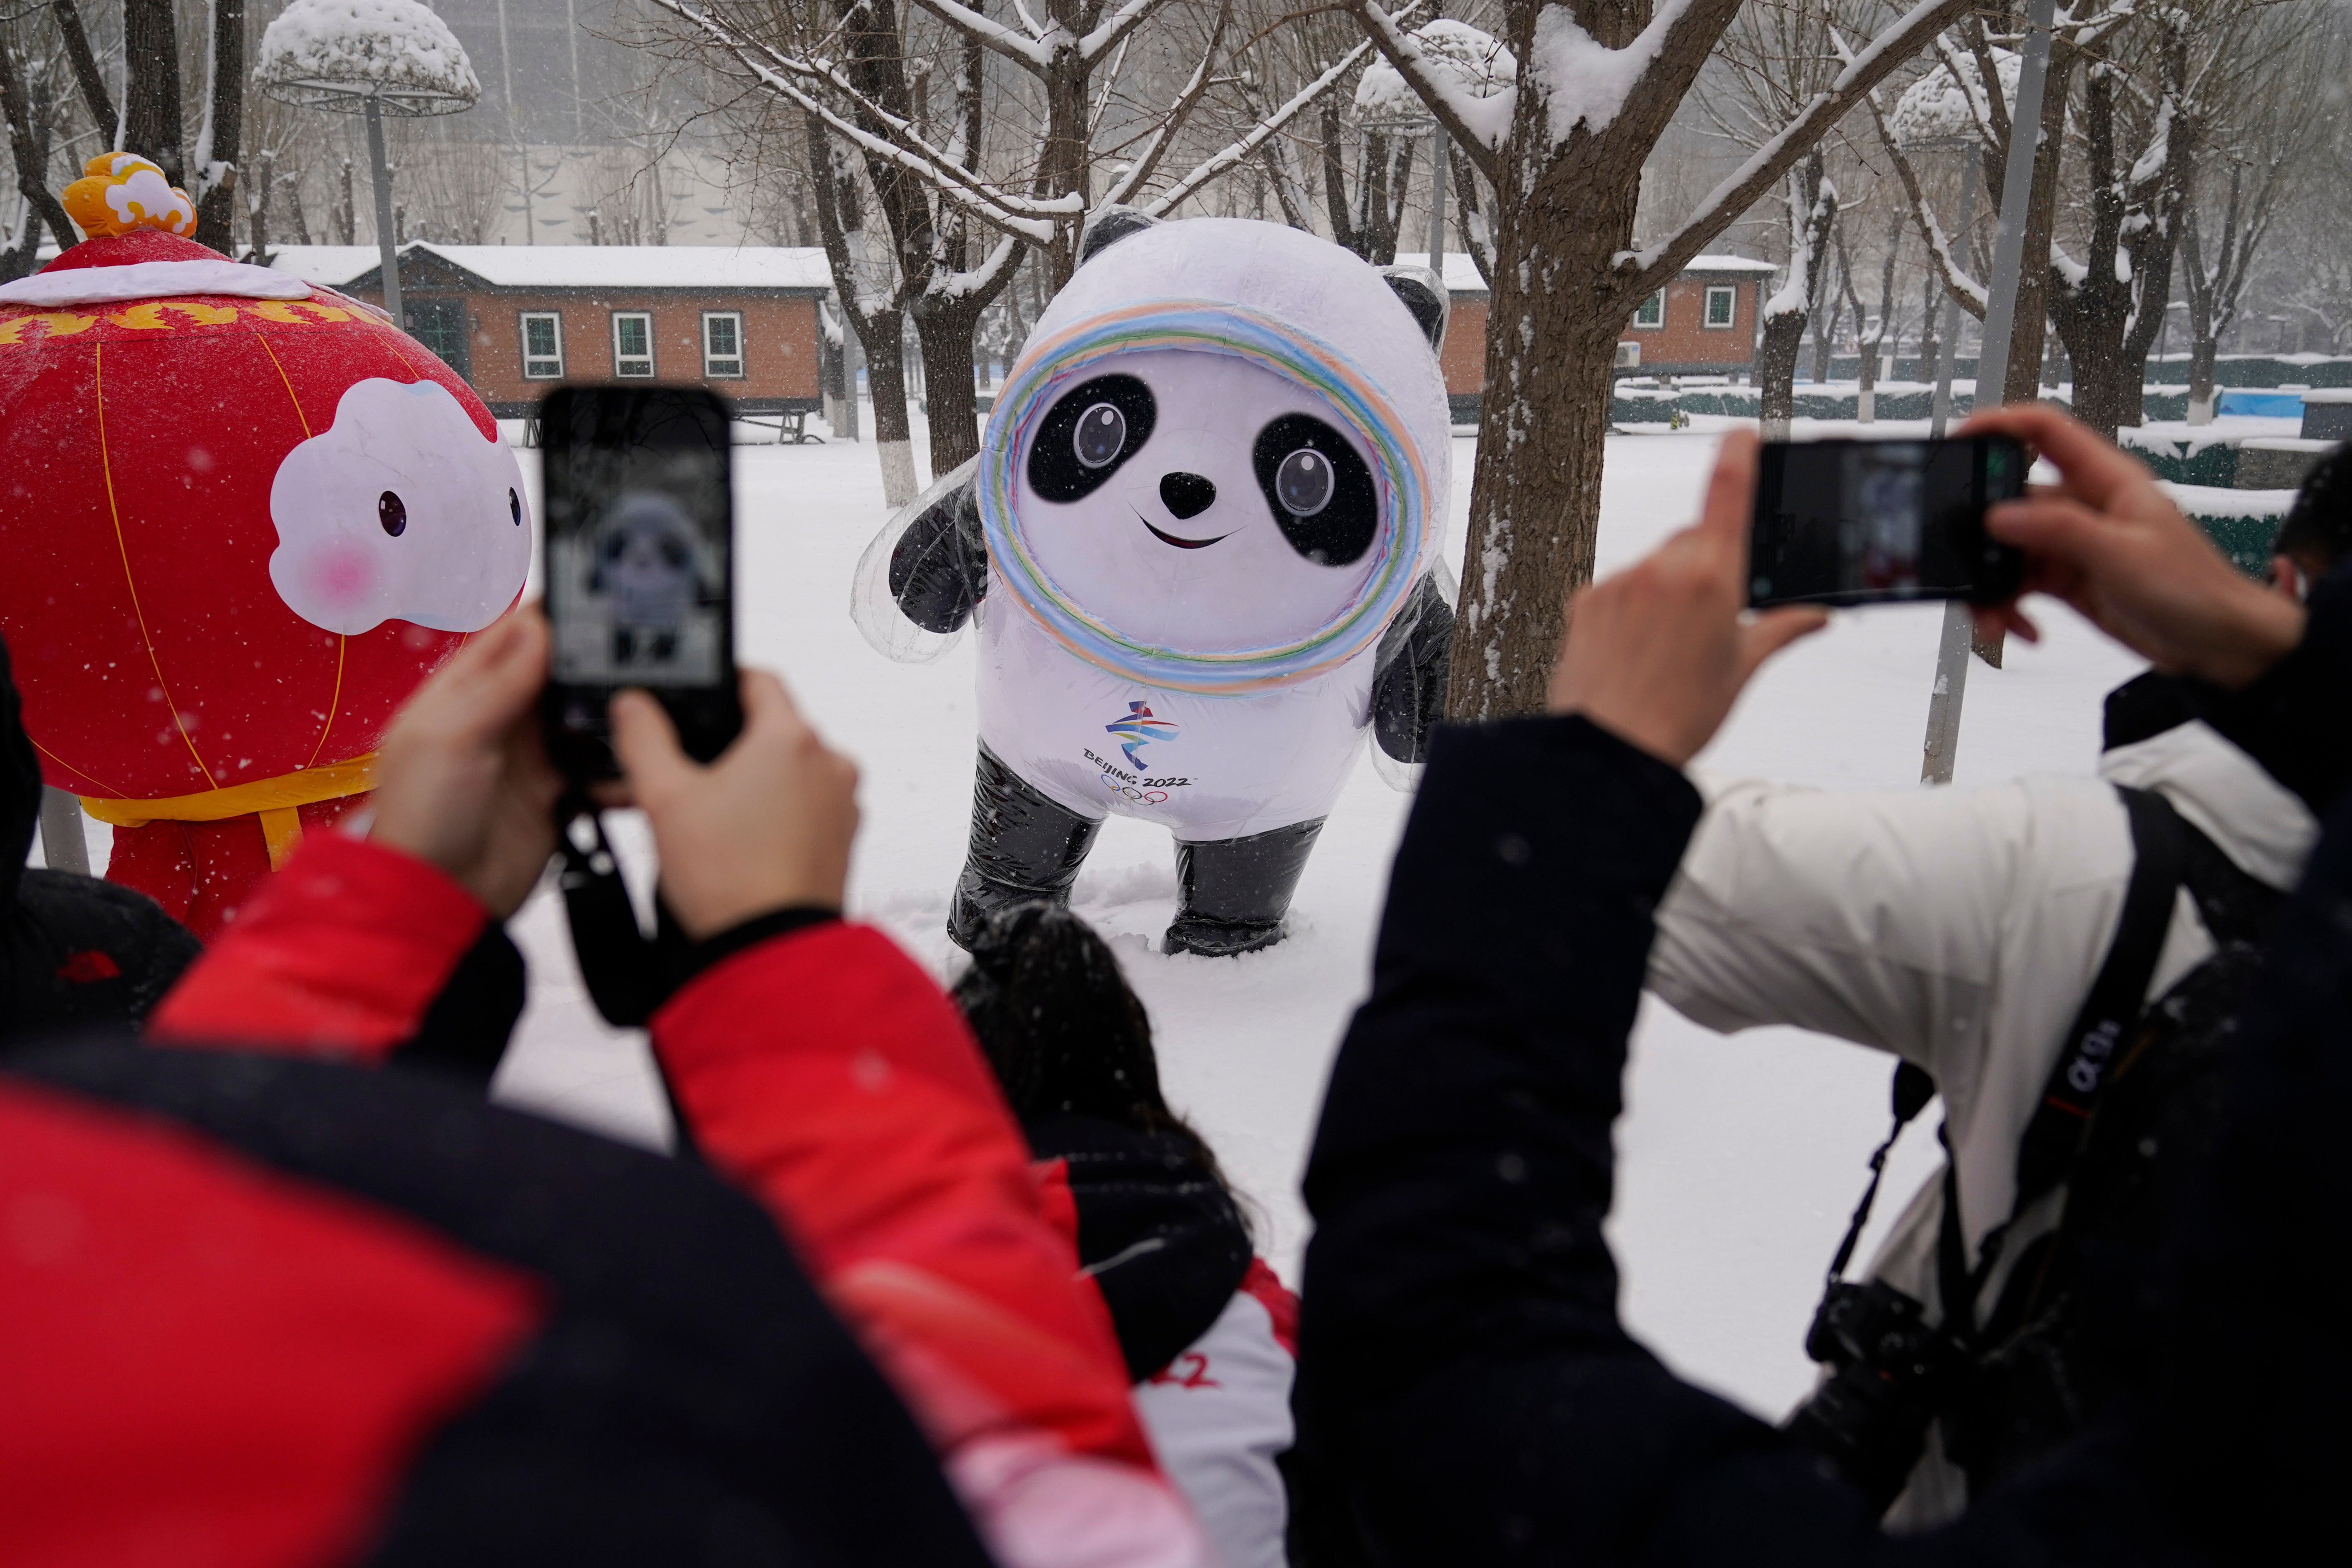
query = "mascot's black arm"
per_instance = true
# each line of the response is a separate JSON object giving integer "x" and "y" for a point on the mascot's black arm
{"x": 938, "y": 569}
{"x": 1409, "y": 673}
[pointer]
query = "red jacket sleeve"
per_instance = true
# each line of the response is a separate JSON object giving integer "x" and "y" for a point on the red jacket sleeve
{"x": 827, "y": 1073}
{"x": 340, "y": 953}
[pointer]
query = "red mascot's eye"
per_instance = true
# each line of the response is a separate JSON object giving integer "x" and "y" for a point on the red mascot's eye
{"x": 514, "y": 505}
{"x": 392, "y": 512}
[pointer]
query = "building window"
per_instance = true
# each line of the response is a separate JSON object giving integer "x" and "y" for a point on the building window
{"x": 542, "y": 345}
{"x": 1652, "y": 313}
{"x": 722, "y": 344}
{"x": 632, "y": 343}
{"x": 1722, "y": 307}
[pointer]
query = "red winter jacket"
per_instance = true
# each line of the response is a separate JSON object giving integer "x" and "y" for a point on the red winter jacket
{"x": 827, "y": 1075}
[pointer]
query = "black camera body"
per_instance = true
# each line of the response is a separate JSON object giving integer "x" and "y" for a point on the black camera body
{"x": 1890, "y": 1373}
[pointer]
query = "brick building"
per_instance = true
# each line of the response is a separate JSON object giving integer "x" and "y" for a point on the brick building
{"x": 1702, "y": 324}
{"x": 517, "y": 320}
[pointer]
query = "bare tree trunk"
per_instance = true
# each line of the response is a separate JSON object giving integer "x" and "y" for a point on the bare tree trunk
{"x": 91, "y": 80}
{"x": 1335, "y": 177}
{"x": 1533, "y": 525}
{"x": 151, "y": 54}
{"x": 2030, "y": 324}
{"x": 31, "y": 121}
{"x": 1827, "y": 306}
{"x": 880, "y": 336}
{"x": 257, "y": 216}
{"x": 224, "y": 128}
{"x": 2204, "y": 345}
{"x": 1812, "y": 214}
{"x": 944, "y": 336}
{"x": 2108, "y": 318}
{"x": 1930, "y": 349}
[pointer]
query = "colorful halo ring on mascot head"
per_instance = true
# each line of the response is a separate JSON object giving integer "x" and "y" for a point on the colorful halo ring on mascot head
{"x": 1208, "y": 327}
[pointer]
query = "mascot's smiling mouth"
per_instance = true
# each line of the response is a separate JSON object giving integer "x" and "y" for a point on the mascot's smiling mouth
{"x": 1179, "y": 543}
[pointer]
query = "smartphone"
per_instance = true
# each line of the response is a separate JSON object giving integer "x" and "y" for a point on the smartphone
{"x": 640, "y": 570}
{"x": 1868, "y": 522}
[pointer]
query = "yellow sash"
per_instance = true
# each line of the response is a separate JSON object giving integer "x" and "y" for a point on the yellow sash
{"x": 273, "y": 800}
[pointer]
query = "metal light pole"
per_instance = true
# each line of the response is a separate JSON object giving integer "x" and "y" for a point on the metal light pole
{"x": 1943, "y": 741}
{"x": 1437, "y": 169}
{"x": 1940, "y": 408}
{"x": 386, "y": 241}
{"x": 304, "y": 61}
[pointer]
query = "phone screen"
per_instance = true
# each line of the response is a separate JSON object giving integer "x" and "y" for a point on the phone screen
{"x": 1859, "y": 523}
{"x": 640, "y": 570}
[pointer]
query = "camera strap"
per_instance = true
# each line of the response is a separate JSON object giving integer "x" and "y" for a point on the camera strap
{"x": 625, "y": 972}
{"x": 1913, "y": 1090}
{"x": 2094, "y": 1041}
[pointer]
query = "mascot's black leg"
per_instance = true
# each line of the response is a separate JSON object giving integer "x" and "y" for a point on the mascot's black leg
{"x": 1024, "y": 848}
{"x": 1236, "y": 891}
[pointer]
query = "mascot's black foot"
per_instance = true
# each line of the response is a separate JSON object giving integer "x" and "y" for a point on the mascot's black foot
{"x": 1024, "y": 849}
{"x": 1235, "y": 892}
{"x": 1219, "y": 939}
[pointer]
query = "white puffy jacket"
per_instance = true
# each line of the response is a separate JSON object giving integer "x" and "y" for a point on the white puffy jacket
{"x": 1957, "y": 928}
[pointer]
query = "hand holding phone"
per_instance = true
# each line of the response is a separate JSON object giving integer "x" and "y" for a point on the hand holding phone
{"x": 2109, "y": 542}
{"x": 462, "y": 782}
{"x": 1864, "y": 523}
{"x": 640, "y": 568}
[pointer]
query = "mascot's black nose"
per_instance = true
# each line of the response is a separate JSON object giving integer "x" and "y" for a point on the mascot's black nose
{"x": 1186, "y": 495}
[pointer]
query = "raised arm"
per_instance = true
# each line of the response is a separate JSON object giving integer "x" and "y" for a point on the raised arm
{"x": 1886, "y": 918}
{"x": 821, "y": 1069}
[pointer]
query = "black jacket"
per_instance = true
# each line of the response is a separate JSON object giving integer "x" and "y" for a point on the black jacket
{"x": 1156, "y": 1230}
{"x": 266, "y": 1309}
{"x": 1464, "y": 1381}
{"x": 75, "y": 952}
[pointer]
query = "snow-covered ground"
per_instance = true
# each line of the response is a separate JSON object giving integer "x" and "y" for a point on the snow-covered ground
{"x": 1742, "y": 1157}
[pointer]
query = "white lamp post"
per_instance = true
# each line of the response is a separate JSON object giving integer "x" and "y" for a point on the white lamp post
{"x": 372, "y": 57}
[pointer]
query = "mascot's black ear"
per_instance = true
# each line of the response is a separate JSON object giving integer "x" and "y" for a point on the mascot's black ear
{"x": 1110, "y": 225}
{"x": 1423, "y": 293}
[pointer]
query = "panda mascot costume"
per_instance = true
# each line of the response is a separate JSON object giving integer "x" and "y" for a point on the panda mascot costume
{"x": 1201, "y": 545}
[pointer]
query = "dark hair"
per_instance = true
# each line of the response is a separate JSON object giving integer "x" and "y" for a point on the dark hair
{"x": 2317, "y": 532}
{"x": 1062, "y": 1028}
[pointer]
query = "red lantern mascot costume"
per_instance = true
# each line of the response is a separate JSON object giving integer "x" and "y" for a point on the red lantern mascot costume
{"x": 241, "y": 518}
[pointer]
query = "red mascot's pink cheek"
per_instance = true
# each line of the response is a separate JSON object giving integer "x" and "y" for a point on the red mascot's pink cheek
{"x": 343, "y": 575}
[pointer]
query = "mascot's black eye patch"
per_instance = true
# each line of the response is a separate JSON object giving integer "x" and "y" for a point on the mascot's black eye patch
{"x": 1091, "y": 430}
{"x": 1321, "y": 492}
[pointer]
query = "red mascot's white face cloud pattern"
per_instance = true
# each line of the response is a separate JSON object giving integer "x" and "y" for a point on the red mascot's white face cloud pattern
{"x": 401, "y": 510}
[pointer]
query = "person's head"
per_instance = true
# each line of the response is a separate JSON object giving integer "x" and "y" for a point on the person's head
{"x": 2318, "y": 531}
{"x": 1058, "y": 1023}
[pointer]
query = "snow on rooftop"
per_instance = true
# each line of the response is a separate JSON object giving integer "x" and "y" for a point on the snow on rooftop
{"x": 398, "y": 46}
{"x": 713, "y": 267}
{"x": 1461, "y": 273}
{"x": 332, "y": 265}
